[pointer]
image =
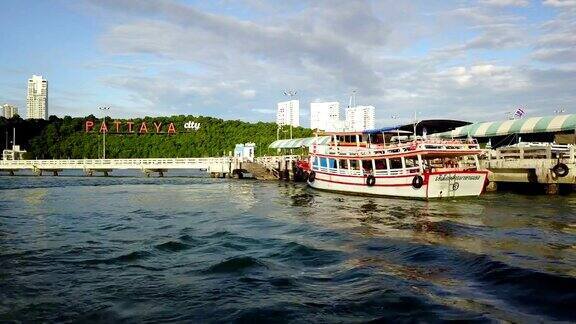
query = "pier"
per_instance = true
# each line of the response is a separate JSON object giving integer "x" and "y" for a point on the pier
{"x": 547, "y": 164}
{"x": 217, "y": 167}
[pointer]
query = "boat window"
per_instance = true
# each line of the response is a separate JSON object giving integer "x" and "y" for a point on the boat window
{"x": 411, "y": 162}
{"x": 332, "y": 163}
{"x": 381, "y": 164}
{"x": 354, "y": 165}
{"x": 323, "y": 162}
{"x": 342, "y": 164}
{"x": 315, "y": 161}
{"x": 367, "y": 165}
{"x": 396, "y": 163}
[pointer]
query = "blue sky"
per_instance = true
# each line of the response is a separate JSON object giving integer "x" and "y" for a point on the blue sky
{"x": 472, "y": 60}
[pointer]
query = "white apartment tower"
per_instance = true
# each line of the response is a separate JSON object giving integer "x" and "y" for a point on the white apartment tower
{"x": 288, "y": 113}
{"x": 360, "y": 118}
{"x": 37, "y": 98}
{"x": 325, "y": 116}
{"x": 8, "y": 111}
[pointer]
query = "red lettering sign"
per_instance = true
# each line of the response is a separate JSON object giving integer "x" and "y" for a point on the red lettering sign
{"x": 158, "y": 127}
{"x": 117, "y": 124}
{"x": 171, "y": 129}
{"x": 103, "y": 128}
{"x": 143, "y": 128}
{"x": 89, "y": 125}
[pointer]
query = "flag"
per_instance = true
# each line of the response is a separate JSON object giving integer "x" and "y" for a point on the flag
{"x": 519, "y": 113}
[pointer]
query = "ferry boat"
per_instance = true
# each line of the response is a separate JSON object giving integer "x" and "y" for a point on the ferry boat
{"x": 363, "y": 163}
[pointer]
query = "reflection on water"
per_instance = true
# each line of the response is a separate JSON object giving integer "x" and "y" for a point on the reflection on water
{"x": 200, "y": 249}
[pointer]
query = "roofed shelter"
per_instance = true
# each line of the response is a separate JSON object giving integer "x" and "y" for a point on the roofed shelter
{"x": 546, "y": 128}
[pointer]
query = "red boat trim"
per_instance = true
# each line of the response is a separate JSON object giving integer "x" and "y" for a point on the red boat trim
{"x": 364, "y": 176}
{"x": 409, "y": 153}
{"x": 363, "y": 184}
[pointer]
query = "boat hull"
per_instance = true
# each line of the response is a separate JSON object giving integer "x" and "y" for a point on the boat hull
{"x": 434, "y": 185}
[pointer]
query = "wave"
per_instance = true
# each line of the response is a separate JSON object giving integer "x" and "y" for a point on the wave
{"x": 172, "y": 246}
{"x": 236, "y": 264}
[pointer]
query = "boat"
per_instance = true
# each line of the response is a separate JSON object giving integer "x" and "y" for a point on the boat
{"x": 378, "y": 163}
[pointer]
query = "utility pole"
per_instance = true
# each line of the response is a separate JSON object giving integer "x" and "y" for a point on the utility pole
{"x": 290, "y": 94}
{"x": 104, "y": 133}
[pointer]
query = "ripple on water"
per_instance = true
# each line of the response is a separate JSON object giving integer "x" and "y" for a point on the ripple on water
{"x": 294, "y": 253}
{"x": 236, "y": 265}
{"x": 172, "y": 246}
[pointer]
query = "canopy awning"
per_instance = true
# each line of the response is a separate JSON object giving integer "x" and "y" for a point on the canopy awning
{"x": 546, "y": 124}
{"x": 299, "y": 142}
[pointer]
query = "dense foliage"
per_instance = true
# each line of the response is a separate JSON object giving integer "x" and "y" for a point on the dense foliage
{"x": 62, "y": 138}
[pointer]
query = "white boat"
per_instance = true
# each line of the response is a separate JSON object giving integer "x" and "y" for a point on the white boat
{"x": 362, "y": 163}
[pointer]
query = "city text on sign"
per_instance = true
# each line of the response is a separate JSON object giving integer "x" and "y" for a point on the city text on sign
{"x": 192, "y": 125}
{"x": 130, "y": 127}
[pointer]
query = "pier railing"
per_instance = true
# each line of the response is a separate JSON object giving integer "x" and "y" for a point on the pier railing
{"x": 220, "y": 164}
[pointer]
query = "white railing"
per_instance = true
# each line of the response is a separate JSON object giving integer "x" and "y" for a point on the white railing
{"x": 221, "y": 164}
{"x": 403, "y": 148}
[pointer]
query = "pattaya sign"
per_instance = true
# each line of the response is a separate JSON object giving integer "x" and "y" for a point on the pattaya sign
{"x": 129, "y": 127}
{"x": 192, "y": 125}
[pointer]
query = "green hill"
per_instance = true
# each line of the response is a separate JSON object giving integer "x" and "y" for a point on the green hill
{"x": 62, "y": 138}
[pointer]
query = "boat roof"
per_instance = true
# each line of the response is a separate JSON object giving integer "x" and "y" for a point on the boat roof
{"x": 545, "y": 124}
{"x": 393, "y": 129}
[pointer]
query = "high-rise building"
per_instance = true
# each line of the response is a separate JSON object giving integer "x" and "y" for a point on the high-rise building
{"x": 37, "y": 98}
{"x": 360, "y": 118}
{"x": 288, "y": 113}
{"x": 325, "y": 116}
{"x": 8, "y": 111}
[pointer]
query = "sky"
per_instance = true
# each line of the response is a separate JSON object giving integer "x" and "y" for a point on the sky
{"x": 471, "y": 60}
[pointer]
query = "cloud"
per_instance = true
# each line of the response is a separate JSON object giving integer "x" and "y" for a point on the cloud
{"x": 265, "y": 111}
{"x": 560, "y": 3}
{"x": 504, "y": 3}
{"x": 557, "y": 42}
{"x": 441, "y": 60}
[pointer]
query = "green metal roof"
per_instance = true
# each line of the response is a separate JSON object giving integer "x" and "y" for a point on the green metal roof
{"x": 299, "y": 142}
{"x": 546, "y": 124}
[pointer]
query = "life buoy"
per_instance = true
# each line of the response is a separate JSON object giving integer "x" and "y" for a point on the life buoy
{"x": 312, "y": 176}
{"x": 417, "y": 182}
{"x": 370, "y": 181}
{"x": 412, "y": 146}
{"x": 560, "y": 170}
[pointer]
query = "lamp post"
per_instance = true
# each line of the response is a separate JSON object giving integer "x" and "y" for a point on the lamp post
{"x": 396, "y": 117}
{"x": 104, "y": 133}
{"x": 560, "y": 111}
{"x": 290, "y": 94}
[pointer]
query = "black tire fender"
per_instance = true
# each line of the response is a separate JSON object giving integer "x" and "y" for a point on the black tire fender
{"x": 560, "y": 170}
{"x": 417, "y": 182}
{"x": 312, "y": 176}
{"x": 370, "y": 181}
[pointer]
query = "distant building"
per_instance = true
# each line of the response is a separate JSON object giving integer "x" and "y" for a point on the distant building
{"x": 8, "y": 111}
{"x": 360, "y": 118}
{"x": 288, "y": 113}
{"x": 37, "y": 98}
{"x": 325, "y": 116}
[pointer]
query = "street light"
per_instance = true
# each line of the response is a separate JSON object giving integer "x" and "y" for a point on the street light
{"x": 396, "y": 117}
{"x": 104, "y": 133}
{"x": 559, "y": 111}
{"x": 290, "y": 94}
